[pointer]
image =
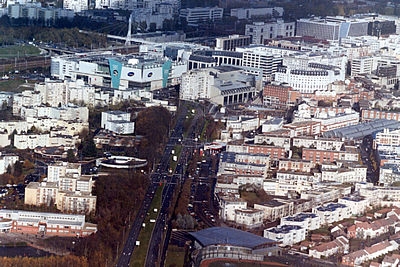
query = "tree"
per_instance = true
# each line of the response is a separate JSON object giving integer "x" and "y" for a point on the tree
{"x": 89, "y": 148}
{"x": 71, "y": 157}
{"x": 17, "y": 168}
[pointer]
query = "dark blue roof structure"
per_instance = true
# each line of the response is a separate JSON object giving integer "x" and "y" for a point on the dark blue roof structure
{"x": 230, "y": 236}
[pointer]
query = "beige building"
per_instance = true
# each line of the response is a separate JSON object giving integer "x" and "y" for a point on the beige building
{"x": 70, "y": 194}
{"x": 274, "y": 209}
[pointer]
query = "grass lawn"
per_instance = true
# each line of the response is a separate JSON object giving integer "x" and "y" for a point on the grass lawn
{"x": 177, "y": 150}
{"x": 175, "y": 256}
{"x": 18, "y": 51}
{"x": 14, "y": 85}
{"x": 250, "y": 197}
{"x": 139, "y": 254}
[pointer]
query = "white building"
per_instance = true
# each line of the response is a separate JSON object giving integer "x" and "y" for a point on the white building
{"x": 248, "y": 13}
{"x": 262, "y": 61}
{"x": 357, "y": 204}
{"x": 222, "y": 85}
{"x": 194, "y": 16}
{"x": 291, "y": 181}
{"x": 331, "y": 28}
{"x": 75, "y": 5}
{"x": 7, "y": 160}
{"x": 318, "y": 142}
{"x": 228, "y": 206}
{"x": 249, "y": 218}
{"x": 343, "y": 173}
{"x": 32, "y": 141}
{"x": 147, "y": 72}
{"x": 262, "y": 31}
{"x": 332, "y": 212}
{"x": 338, "y": 246}
{"x": 306, "y": 220}
{"x": 60, "y": 169}
{"x": 276, "y": 209}
{"x": 118, "y": 122}
{"x": 287, "y": 234}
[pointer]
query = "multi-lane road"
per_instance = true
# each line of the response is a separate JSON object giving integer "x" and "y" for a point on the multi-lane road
{"x": 160, "y": 174}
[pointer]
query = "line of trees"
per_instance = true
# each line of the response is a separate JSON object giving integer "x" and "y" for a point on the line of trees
{"x": 118, "y": 198}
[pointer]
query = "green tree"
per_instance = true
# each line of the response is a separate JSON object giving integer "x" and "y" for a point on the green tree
{"x": 89, "y": 148}
{"x": 71, "y": 157}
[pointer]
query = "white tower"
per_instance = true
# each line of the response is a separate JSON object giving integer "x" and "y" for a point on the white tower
{"x": 129, "y": 35}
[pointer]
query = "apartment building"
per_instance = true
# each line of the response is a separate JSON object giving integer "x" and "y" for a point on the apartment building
{"x": 371, "y": 114}
{"x": 332, "y": 212}
{"x": 357, "y": 204}
{"x": 302, "y": 128}
{"x": 249, "y": 218}
{"x": 260, "y": 32}
{"x": 296, "y": 165}
{"x": 290, "y": 181}
{"x": 274, "y": 152}
{"x": 7, "y": 160}
{"x": 280, "y": 96}
{"x": 231, "y": 42}
{"x": 306, "y": 220}
{"x": 68, "y": 195}
{"x": 197, "y": 15}
{"x": 228, "y": 205}
{"x": 274, "y": 138}
{"x": 331, "y": 28}
{"x": 262, "y": 61}
{"x": 287, "y": 234}
{"x": 322, "y": 156}
{"x": 318, "y": 142}
{"x": 118, "y": 122}
{"x": 275, "y": 209}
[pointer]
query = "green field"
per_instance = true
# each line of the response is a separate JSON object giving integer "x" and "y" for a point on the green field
{"x": 13, "y": 51}
{"x": 139, "y": 254}
{"x": 175, "y": 256}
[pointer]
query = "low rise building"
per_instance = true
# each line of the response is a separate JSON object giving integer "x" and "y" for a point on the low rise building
{"x": 338, "y": 246}
{"x": 287, "y": 234}
{"x": 228, "y": 205}
{"x": 6, "y": 161}
{"x": 319, "y": 143}
{"x": 357, "y": 204}
{"x": 275, "y": 209}
{"x": 323, "y": 156}
{"x": 301, "y": 128}
{"x": 343, "y": 173}
{"x": 118, "y": 122}
{"x": 274, "y": 152}
{"x": 249, "y": 218}
{"x": 295, "y": 165}
{"x": 280, "y": 96}
{"x": 197, "y": 15}
{"x": 332, "y": 212}
{"x": 369, "y": 253}
{"x": 48, "y": 224}
{"x": 365, "y": 230}
{"x": 260, "y": 32}
{"x": 291, "y": 181}
{"x": 231, "y": 42}
{"x": 306, "y": 220}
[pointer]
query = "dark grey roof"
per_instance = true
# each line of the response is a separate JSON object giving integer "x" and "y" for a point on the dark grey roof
{"x": 360, "y": 130}
{"x": 229, "y": 236}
